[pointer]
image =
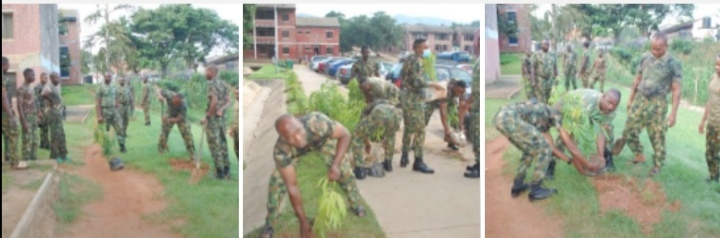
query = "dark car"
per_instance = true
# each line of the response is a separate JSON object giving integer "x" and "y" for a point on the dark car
{"x": 333, "y": 68}
{"x": 345, "y": 71}
{"x": 443, "y": 72}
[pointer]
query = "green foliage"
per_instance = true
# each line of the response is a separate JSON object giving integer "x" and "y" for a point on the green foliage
{"x": 74, "y": 193}
{"x": 355, "y": 93}
{"x": 331, "y": 209}
{"x": 297, "y": 100}
{"x": 105, "y": 140}
{"x": 681, "y": 46}
{"x": 331, "y": 102}
{"x": 429, "y": 65}
{"x": 378, "y": 31}
{"x": 248, "y": 24}
{"x": 505, "y": 26}
{"x": 611, "y": 19}
{"x": 576, "y": 122}
{"x": 508, "y": 58}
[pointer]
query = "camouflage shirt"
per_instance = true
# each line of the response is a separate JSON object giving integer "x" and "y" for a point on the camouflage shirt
{"x": 413, "y": 75}
{"x": 544, "y": 64}
{"x": 384, "y": 90}
{"x": 38, "y": 94}
{"x": 124, "y": 95}
{"x": 570, "y": 63}
{"x": 475, "y": 87}
{"x": 591, "y": 105}
{"x": 586, "y": 57}
{"x": 53, "y": 99}
{"x": 145, "y": 97}
{"x": 658, "y": 74}
{"x": 318, "y": 129}
{"x": 172, "y": 110}
{"x": 362, "y": 69}
{"x": 26, "y": 96}
{"x": 537, "y": 114}
{"x": 107, "y": 94}
{"x": 527, "y": 66}
{"x": 218, "y": 89}
{"x": 714, "y": 101}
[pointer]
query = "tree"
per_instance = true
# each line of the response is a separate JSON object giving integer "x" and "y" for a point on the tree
{"x": 248, "y": 24}
{"x": 475, "y": 24}
{"x": 86, "y": 61}
{"x": 610, "y": 19}
{"x": 378, "y": 32}
{"x": 111, "y": 35}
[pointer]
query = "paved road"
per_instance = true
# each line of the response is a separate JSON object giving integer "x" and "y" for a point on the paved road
{"x": 312, "y": 81}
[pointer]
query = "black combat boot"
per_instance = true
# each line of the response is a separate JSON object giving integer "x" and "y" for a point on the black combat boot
{"x": 420, "y": 166}
{"x": 116, "y": 165}
{"x": 220, "y": 173}
{"x": 537, "y": 192}
{"x": 266, "y": 232}
{"x": 360, "y": 173}
{"x": 609, "y": 164}
{"x": 476, "y": 166}
{"x": 550, "y": 174}
{"x": 122, "y": 149}
{"x": 404, "y": 161}
{"x": 387, "y": 165}
{"x": 474, "y": 172}
{"x": 519, "y": 187}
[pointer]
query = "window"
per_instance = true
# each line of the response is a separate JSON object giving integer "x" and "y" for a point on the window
{"x": 706, "y": 22}
{"x": 64, "y": 62}
{"x": 285, "y": 17}
{"x": 419, "y": 36}
{"x": 512, "y": 17}
{"x": 265, "y": 14}
{"x": 329, "y": 51}
{"x": 307, "y": 32}
{"x": 286, "y": 34}
{"x": 286, "y": 51}
{"x": 265, "y": 32}
{"x": 468, "y": 48}
{"x": 299, "y": 33}
{"x": 469, "y": 38}
{"x": 513, "y": 40}
{"x": 7, "y": 26}
{"x": 329, "y": 34}
{"x": 441, "y": 36}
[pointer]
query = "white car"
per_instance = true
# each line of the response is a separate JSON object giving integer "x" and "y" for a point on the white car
{"x": 315, "y": 61}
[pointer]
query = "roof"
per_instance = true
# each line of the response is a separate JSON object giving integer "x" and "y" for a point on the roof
{"x": 279, "y": 6}
{"x": 317, "y": 22}
{"x": 225, "y": 59}
{"x": 680, "y": 27}
{"x": 468, "y": 30}
{"x": 428, "y": 29}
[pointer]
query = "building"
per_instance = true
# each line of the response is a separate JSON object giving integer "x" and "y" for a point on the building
{"x": 519, "y": 15}
{"x": 70, "y": 51}
{"x": 223, "y": 63}
{"x": 440, "y": 38}
{"x": 492, "y": 45}
{"x": 700, "y": 29}
{"x": 296, "y": 37}
{"x": 30, "y": 40}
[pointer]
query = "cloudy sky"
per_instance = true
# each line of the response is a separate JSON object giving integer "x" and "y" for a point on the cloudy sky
{"x": 701, "y": 10}
{"x": 228, "y": 13}
{"x": 463, "y": 13}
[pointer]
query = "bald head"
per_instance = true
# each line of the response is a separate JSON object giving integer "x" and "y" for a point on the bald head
{"x": 545, "y": 45}
{"x": 55, "y": 78}
{"x": 291, "y": 131}
{"x": 211, "y": 72}
{"x": 610, "y": 101}
{"x": 659, "y": 45}
{"x": 366, "y": 86}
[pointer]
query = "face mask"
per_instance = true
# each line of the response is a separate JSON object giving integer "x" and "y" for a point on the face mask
{"x": 427, "y": 53}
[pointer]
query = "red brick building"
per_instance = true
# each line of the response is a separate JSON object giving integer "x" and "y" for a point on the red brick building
{"x": 296, "y": 37}
{"x": 492, "y": 45}
{"x": 441, "y": 39}
{"x": 70, "y": 51}
{"x": 518, "y": 14}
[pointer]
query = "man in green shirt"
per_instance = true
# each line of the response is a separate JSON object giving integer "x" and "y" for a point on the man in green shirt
{"x": 125, "y": 97}
{"x": 176, "y": 115}
{"x": 711, "y": 122}
{"x": 42, "y": 125}
{"x": 570, "y": 68}
{"x": 544, "y": 72}
{"x": 106, "y": 107}
{"x": 9, "y": 121}
{"x": 366, "y": 67}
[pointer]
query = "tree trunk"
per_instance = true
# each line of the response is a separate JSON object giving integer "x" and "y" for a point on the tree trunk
{"x": 107, "y": 35}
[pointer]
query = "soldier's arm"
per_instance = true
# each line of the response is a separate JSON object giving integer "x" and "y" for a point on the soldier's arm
{"x": 571, "y": 146}
{"x": 343, "y": 142}
{"x": 676, "y": 93}
{"x": 377, "y": 70}
{"x": 228, "y": 102}
{"x": 6, "y": 104}
{"x": 21, "y": 109}
{"x": 634, "y": 88}
{"x": 290, "y": 178}
{"x": 98, "y": 102}
{"x": 601, "y": 139}
{"x": 213, "y": 105}
{"x": 444, "y": 116}
{"x": 353, "y": 72}
{"x": 555, "y": 151}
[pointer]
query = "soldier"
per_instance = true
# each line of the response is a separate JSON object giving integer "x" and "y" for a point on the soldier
{"x": 528, "y": 86}
{"x": 42, "y": 125}
{"x": 599, "y": 67}
{"x": 570, "y": 67}
{"x": 543, "y": 72}
{"x": 218, "y": 102}
{"x": 474, "y": 171}
{"x": 53, "y": 105}
{"x": 126, "y": 103}
{"x": 413, "y": 78}
{"x": 299, "y": 136}
{"x": 235, "y": 129}
{"x": 29, "y": 116}
{"x": 145, "y": 100}
{"x": 711, "y": 121}
{"x": 527, "y": 126}
{"x": 107, "y": 106}
{"x": 176, "y": 115}
{"x": 600, "y": 109}
{"x": 9, "y": 122}
{"x": 455, "y": 91}
{"x": 585, "y": 65}
{"x": 365, "y": 68}
{"x": 659, "y": 73}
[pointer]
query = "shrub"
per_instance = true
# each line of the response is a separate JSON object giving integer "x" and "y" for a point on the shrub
{"x": 507, "y": 58}
{"x": 681, "y": 46}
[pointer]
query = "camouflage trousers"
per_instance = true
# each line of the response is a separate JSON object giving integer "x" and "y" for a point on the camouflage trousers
{"x": 277, "y": 190}
{"x": 58, "y": 145}
{"x": 431, "y": 107}
{"x": 186, "y": 133}
{"x": 44, "y": 133}
{"x": 383, "y": 117}
{"x": 236, "y": 139}
{"x": 527, "y": 139}
{"x": 585, "y": 78}
{"x": 112, "y": 119}
{"x": 10, "y": 138}
{"x": 599, "y": 77}
{"x": 713, "y": 150}
{"x": 570, "y": 78}
{"x": 528, "y": 88}
{"x": 125, "y": 112}
{"x": 647, "y": 113}
{"x": 475, "y": 130}
{"x": 217, "y": 141}
{"x": 29, "y": 138}
{"x": 544, "y": 88}
{"x": 146, "y": 111}
{"x": 414, "y": 128}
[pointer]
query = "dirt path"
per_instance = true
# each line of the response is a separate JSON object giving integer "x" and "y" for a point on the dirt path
{"x": 508, "y": 217}
{"x": 128, "y": 197}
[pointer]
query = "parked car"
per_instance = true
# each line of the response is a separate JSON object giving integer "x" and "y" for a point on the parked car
{"x": 466, "y": 67}
{"x": 457, "y": 56}
{"x": 443, "y": 72}
{"x": 322, "y": 68}
{"x": 333, "y": 68}
{"x": 394, "y": 74}
{"x": 315, "y": 61}
{"x": 345, "y": 71}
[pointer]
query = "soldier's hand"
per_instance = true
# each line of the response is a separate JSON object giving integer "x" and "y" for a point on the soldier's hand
{"x": 306, "y": 230}
{"x": 671, "y": 120}
{"x": 334, "y": 173}
{"x": 220, "y": 113}
{"x": 701, "y": 129}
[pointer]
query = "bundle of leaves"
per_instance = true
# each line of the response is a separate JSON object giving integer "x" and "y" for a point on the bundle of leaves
{"x": 296, "y": 99}
{"x": 331, "y": 209}
{"x": 331, "y": 102}
{"x": 429, "y": 66}
{"x": 578, "y": 124}
{"x": 104, "y": 139}
{"x": 355, "y": 93}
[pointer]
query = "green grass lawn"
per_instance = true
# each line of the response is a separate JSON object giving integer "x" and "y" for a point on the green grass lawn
{"x": 269, "y": 72}
{"x": 512, "y": 65}
{"x": 682, "y": 179}
{"x": 75, "y": 95}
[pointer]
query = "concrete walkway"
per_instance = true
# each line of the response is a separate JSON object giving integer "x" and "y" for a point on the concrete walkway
{"x": 507, "y": 87}
{"x": 312, "y": 81}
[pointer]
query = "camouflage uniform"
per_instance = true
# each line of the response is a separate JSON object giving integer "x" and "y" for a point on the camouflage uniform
{"x": 591, "y": 107}
{"x": 570, "y": 68}
{"x": 9, "y": 130}
{"x": 412, "y": 97}
{"x": 599, "y": 75}
{"x": 381, "y": 92}
{"x": 650, "y": 107}
{"x": 475, "y": 113}
{"x": 585, "y": 77}
{"x": 713, "y": 128}
{"x": 383, "y": 116}
{"x": 527, "y": 81}
{"x": 362, "y": 69}
{"x": 26, "y": 96}
{"x": 146, "y": 101}
{"x": 216, "y": 126}
{"x": 107, "y": 94}
{"x": 183, "y": 125}
{"x": 450, "y": 99}
{"x": 42, "y": 125}
{"x": 319, "y": 128}
{"x": 524, "y": 124}
{"x": 236, "y": 128}
{"x": 125, "y": 110}
{"x": 53, "y": 115}
{"x": 544, "y": 65}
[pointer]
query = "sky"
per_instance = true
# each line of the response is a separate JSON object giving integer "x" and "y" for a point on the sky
{"x": 228, "y": 13}
{"x": 463, "y": 13}
{"x": 701, "y": 10}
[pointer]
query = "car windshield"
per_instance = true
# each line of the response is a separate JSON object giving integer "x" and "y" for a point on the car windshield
{"x": 462, "y": 75}
{"x": 318, "y": 58}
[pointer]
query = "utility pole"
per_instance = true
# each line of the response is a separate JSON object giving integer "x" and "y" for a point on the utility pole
{"x": 255, "y": 36}
{"x": 276, "y": 38}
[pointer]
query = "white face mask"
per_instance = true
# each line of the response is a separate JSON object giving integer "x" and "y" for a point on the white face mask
{"x": 427, "y": 53}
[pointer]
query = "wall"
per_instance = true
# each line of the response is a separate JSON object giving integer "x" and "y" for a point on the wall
{"x": 72, "y": 41}
{"x": 492, "y": 45}
{"x": 524, "y": 30}
{"x": 317, "y": 38}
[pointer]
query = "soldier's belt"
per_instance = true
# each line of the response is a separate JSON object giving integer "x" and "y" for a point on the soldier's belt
{"x": 653, "y": 93}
